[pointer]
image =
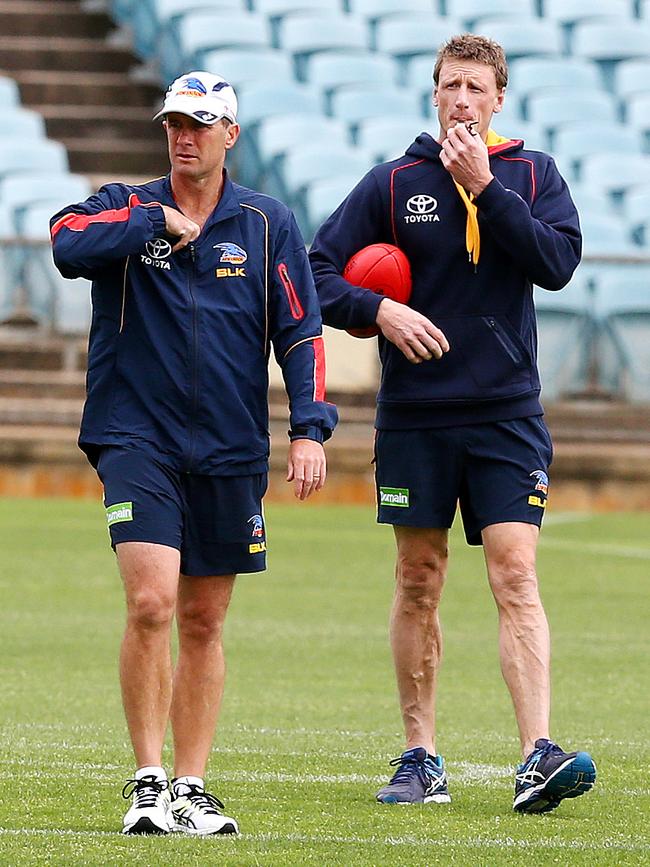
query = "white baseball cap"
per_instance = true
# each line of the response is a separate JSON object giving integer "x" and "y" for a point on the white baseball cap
{"x": 201, "y": 95}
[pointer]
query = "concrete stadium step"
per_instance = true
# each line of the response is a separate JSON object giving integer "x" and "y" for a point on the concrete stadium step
{"x": 38, "y": 18}
{"x": 102, "y": 121}
{"x": 80, "y": 88}
{"x": 85, "y": 55}
{"x": 70, "y": 384}
{"x": 142, "y": 155}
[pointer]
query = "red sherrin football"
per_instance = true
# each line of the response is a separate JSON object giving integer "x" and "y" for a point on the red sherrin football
{"x": 383, "y": 268}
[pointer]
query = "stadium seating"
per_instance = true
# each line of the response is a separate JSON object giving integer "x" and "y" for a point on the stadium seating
{"x": 524, "y": 36}
{"x": 18, "y": 121}
{"x": 529, "y": 74}
{"x": 565, "y": 333}
{"x": 386, "y": 138}
{"x": 471, "y": 12}
{"x": 249, "y": 66}
{"x": 64, "y": 303}
{"x": 405, "y": 36}
{"x": 623, "y": 311}
{"x": 336, "y": 68}
{"x": 358, "y": 102}
{"x": 303, "y": 34}
{"x": 31, "y": 155}
{"x": 184, "y": 42}
{"x": 9, "y": 93}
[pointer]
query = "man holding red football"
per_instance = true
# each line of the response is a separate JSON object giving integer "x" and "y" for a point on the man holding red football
{"x": 459, "y": 419}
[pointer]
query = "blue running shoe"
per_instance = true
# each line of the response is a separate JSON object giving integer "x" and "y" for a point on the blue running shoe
{"x": 419, "y": 779}
{"x": 549, "y": 775}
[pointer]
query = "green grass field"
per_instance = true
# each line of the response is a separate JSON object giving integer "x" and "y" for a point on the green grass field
{"x": 310, "y": 716}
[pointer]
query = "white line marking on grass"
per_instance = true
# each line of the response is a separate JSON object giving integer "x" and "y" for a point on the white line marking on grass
{"x": 596, "y": 548}
{"x": 567, "y": 518}
{"x": 630, "y": 845}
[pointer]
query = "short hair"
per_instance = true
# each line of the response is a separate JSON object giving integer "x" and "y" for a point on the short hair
{"x": 469, "y": 46}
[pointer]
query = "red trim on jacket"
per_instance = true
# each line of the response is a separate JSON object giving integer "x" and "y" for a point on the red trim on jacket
{"x": 292, "y": 296}
{"x": 532, "y": 172}
{"x": 319, "y": 368}
{"x": 80, "y": 222}
{"x": 392, "y": 194}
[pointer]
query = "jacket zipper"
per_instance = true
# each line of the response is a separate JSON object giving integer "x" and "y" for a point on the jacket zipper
{"x": 194, "y": 370}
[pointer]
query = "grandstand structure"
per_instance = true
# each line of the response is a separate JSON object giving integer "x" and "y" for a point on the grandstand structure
{"x": 327, "y": 88}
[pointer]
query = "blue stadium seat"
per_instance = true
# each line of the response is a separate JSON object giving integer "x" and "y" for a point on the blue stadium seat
{"x": 574, "y": 141}
{"x": 276, "y": 135}
{"x": 65, "y": 304}
{"x": 387, "y": 138}
{"x": 603, "y": 233}
{"x": 631, "y": 77}
{"x": 335, "y": 68}
{"x": 637, "y": 110}
{"x": 528, "y": 74}
{"x": 607, "y": 171}
{"x": 623, "y": 310}
{"x": 322, "y": 197}
{"x": 184, "y": 45}
{"x": 249, "y": 65}
{"x": 22, "y": 122}
{"x": 554, "y": 109}
{"x": 304, "y": 34}
{"x": 405, "y": 36}
{"x": 150, "y": 17}
{"x": 611, "y": 41}
{"x": 524, "y": 36}
{"x": 372, "y": 10}
{"x": 358, "y": 102}
{"x": 565, "y": 332}
{"x": 473, "y": 11}
{"x": 22, "y": 189}
{"x": 572, "y": 11}
{"x": 9, "y": 93}
{"x": 31, "y": 155}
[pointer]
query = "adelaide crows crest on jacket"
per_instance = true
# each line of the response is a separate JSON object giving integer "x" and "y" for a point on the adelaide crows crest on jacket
{"x": 179, "y": 342}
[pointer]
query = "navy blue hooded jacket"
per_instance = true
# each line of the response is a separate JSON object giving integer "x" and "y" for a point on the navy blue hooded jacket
{"x": 179, "y": 342}
{"x": 529, "y": 234}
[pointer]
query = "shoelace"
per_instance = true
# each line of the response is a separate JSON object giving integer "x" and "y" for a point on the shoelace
{"x": 407, "y": 767}
{"x": 146, "y": 790}
{"x": 204, "y": 800}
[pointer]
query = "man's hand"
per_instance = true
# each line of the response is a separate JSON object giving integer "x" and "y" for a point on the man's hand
{"x": 306, "y": 467}
{"x": 465, "y": 156}
{"x": 179, "y": 226}
{"x": 411, "y": 332}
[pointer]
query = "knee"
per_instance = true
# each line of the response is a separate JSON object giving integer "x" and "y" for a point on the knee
{"x": 514, "y": 583}
{"x": 150, "y": 610}
{"x": 198, "y": 625}
{"x": 421, "y": 579}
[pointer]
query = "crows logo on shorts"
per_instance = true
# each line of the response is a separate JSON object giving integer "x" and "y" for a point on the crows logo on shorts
{"x": 257, "y": 528}
{"x": 541, "y": 480}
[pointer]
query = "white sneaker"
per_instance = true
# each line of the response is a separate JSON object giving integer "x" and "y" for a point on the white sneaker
{"x": 150, "y": 812}
{"x": 197, "y": 812}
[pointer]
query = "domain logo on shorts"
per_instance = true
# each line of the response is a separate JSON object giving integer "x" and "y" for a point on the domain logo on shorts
{"x": 398, "y": 497}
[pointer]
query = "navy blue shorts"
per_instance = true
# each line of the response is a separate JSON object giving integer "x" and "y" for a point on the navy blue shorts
{"x": 216, "y": 522}
{"x": 496, "y": 471}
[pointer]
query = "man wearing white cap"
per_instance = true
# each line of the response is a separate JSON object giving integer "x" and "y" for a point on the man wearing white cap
{"x": 194, "y": 279}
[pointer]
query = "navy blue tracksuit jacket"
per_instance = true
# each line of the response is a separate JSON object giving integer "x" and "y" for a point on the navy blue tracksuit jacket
{"x": 530, "y": 234}
{"x": 179, "y": 342}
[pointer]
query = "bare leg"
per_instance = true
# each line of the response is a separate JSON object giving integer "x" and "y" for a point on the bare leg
{"x": 200, "y": 671}
{"x": 524, "y": 641}
{"x": 150, "y": 575}
{"x": 415, "y": 634}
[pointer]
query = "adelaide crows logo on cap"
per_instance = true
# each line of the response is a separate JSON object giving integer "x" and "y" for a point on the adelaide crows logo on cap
{"x": 192, "y": 87}
{"x": 231, "y": 253}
